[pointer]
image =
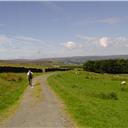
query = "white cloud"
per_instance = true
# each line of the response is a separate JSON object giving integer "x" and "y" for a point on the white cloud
{"x": 21, "y": 47}
{"x": 29, "y": 47}
{"x": 4, "y": 39}
{"x": 70, "y": 45}
{"x": 104, "y": 41}
{"x": 99, "y": 41}
{"x": 103, "y": 45}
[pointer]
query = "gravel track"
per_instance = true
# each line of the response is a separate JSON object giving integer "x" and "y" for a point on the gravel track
{"x": 44, "y": 113}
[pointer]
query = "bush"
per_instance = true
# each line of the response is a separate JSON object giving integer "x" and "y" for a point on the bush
{"x": 107, "y": 96}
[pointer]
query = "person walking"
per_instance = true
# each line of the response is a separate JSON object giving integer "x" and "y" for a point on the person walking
{"x": 30, "y": 76}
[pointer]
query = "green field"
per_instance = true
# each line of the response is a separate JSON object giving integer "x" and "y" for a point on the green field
{"x": 93, "y": 100}
{"x": 12, "y": 85}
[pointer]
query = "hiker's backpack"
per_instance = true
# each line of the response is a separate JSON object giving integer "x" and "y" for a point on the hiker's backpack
{"x": 30, "y": 75}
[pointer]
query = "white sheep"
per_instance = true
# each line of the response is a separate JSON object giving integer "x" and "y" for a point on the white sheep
{"x": 123, "y": 85}
{"x": 123, "y": 82}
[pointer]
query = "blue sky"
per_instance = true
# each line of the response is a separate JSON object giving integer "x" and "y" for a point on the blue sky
{"x": 60, "y": 29}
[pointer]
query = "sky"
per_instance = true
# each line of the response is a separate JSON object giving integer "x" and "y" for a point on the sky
{"x": 45, "y": 29}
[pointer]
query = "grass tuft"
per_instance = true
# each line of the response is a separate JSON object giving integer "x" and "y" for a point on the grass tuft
{"x": 107, "y": 96}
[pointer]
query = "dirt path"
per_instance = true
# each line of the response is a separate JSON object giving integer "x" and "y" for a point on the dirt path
{"x": 47, "y": 112}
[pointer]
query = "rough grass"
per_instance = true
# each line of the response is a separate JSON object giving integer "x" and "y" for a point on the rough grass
{"x": 94, "y": 100}
{"x": 12, "y": 85}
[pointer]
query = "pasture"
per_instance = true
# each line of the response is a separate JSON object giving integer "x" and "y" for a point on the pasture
{"x": 93, "y": 100}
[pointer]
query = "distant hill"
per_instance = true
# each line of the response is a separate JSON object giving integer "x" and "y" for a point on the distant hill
{"x": 64, "y": 60}
{"x": 82, "y": 59}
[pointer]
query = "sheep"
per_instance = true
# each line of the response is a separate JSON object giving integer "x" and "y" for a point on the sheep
{"x": 123, "y": 85}
{"x": 123, "y": 82}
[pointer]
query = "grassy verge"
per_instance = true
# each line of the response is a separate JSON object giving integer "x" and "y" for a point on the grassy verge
{"x": 12, "y": 85}
{"x": 94, "y": 100}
